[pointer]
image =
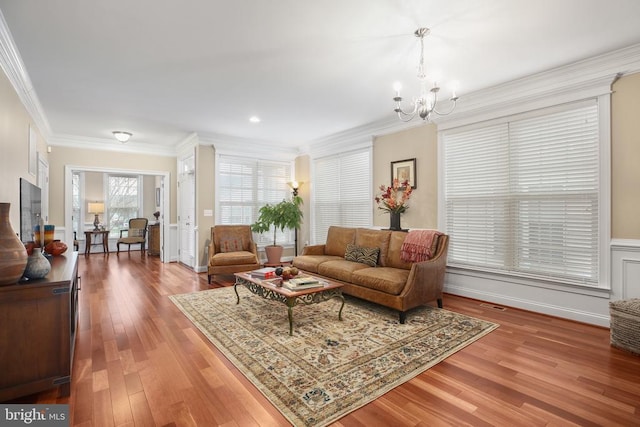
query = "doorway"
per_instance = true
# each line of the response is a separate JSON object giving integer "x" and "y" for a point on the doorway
{"x": 76, "y": 212}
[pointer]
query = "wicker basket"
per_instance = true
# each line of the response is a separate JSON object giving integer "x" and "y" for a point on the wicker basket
{"x": 625, "y": 324}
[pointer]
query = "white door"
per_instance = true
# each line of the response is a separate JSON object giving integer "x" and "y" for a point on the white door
{"x": 186, "y": 211}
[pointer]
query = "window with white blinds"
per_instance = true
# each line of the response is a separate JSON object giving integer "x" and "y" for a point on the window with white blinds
{"x": 244, "y": 185}
{"x": 342, "y": 193}
{"x": 522, "y": 196}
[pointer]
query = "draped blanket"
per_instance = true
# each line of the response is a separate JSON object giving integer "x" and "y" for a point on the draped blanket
{"x": 419, "y": 245}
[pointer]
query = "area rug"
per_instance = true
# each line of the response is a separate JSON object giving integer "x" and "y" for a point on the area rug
{"x": 329, "y": 367}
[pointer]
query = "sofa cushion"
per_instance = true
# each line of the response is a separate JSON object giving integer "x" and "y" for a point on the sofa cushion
{"x": 394, "y": 255}
{"x": 231, "y": 245}
{"x": 367, "y": 256}
{"x": 337, "y": 240}
{"x": 310, "y": 263}
{"x": 340, "y": 269}
{"x": 374, "y": 239}
{"x": 385, "y": 279}
{"x": 232, "y": 258}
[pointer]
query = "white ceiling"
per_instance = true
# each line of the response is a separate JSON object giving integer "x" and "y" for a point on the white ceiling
{"x": 164, "y": 70}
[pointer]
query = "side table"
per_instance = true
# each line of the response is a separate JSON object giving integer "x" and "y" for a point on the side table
{"x": 154, "y": 240}
{"x": 92, "y": 235}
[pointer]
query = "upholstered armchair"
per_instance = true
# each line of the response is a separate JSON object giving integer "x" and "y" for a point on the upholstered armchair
{"x": 232, "y": 250}
{"x": 136, "y": 234}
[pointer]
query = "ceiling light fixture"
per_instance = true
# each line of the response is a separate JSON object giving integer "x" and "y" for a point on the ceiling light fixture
{"x": 254, "y": 119}
{"x": 122, "y": 136}
{"x": 425, "y": 104}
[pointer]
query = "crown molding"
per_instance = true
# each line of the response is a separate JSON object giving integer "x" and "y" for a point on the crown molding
{"x": 104, "y": 144}
{"x": 579, "y": 80}
{"x": 14, "y": 68}
{"x": 245, "y": 147}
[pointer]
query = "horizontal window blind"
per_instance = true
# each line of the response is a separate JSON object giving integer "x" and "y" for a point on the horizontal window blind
{"x": 522, "y": 196}
{"x": 244, "y": 185}
{"x": 342, "y": 194}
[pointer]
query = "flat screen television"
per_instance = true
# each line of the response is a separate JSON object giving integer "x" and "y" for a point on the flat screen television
{"x": 30, "y": 209}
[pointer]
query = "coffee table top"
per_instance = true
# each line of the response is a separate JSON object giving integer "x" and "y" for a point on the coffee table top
{"x": 328, "y": 285}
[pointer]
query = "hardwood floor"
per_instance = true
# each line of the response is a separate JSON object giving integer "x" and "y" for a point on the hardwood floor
{"x": 139, "y": 361}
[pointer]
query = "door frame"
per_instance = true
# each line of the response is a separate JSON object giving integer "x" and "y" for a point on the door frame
{"x": 165, "y": 197}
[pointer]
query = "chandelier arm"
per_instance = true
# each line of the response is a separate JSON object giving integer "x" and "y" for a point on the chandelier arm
{"x": 450, "y": 109}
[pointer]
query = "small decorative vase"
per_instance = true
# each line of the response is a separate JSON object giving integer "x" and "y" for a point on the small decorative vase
{"x": 394, "y": 221}
{"x": 37, "y": 265}
{"x": 13, "y": 255}
{"x": 49, "y": 231}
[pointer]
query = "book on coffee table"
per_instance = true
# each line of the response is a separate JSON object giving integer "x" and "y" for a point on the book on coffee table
{"x": 264, "y": 273}
{"x": 300, "y": 283}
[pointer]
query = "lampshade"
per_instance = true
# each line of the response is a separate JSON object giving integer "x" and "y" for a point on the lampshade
{"x": 122, "y": 136}
{"x": 96, "y": 208}
{"x": 294, "y": 184}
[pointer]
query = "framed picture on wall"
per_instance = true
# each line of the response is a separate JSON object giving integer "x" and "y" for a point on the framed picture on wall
{"x": 404, "y": 170}
{"x": 157, "y": 197}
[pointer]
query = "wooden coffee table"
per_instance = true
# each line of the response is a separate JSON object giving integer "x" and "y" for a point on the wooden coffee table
{"x": 290, "y": 298}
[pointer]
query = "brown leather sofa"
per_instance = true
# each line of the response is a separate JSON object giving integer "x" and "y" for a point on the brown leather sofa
{"x": 232, "y": 250}
{"x": 391, "y": 282}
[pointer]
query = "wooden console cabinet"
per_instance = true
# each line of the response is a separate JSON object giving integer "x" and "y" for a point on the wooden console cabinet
{"x": 154, "y": 240}
{"x": 38, "y": 323}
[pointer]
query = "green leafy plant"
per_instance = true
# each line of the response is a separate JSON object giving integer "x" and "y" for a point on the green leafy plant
{"x": 284, "y": 215}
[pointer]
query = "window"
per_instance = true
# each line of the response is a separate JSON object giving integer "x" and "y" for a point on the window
{"x": 244, "y": 185}
{"x": 342, "y": 192}
{"x": 76, "y": 212}
{"x": 124, "y": 198}
{"x": 522, "y": 194}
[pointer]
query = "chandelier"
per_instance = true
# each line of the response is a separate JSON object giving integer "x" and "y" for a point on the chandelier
{"x": 425, "y": 104}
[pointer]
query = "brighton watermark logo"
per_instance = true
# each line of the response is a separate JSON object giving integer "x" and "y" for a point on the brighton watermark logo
{"x": 34, "y": 415}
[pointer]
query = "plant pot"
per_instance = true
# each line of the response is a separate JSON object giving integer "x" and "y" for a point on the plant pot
{"x": 274, "y": 253}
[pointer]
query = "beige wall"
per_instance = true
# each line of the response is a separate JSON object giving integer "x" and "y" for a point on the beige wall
{"x": 420, "y": 142}
{"x": 303, "y": 176}
{"x": 625, "y": 158}
{"x": 63, "y": 156}
{"x": 205, "y": 199}
{"x": 14, "y": 148}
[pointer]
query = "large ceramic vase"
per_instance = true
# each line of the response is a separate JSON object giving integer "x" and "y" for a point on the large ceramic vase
{"x": 37, "y": 265}
{"x": 13, "y": 255}
{"x": 394, "y": 221}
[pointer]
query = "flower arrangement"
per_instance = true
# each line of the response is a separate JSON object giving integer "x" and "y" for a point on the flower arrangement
{"x": 395, "y": 197}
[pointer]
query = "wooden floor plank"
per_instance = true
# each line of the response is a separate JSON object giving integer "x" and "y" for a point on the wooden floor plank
{"x": 139, "y": 361}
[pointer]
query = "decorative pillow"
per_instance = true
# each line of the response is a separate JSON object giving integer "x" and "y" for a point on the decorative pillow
{"x": 368, "y": 256}
{"x": 230, "y": 245}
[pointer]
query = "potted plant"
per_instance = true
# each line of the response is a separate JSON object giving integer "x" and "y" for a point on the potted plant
{"x": 284, "y": 215}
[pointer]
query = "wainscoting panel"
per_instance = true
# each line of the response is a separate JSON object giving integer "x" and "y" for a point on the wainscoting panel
{"x": 583, "y": 305}
{"x": 625, "y": 269}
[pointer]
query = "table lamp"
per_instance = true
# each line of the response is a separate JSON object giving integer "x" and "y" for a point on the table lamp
{"x": 96, "y": 208}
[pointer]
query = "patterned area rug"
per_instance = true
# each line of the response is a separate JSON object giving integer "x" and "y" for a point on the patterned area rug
{"x": 328, "y": 368}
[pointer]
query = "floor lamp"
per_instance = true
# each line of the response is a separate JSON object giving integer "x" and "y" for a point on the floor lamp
{"x": 294, "y": 186}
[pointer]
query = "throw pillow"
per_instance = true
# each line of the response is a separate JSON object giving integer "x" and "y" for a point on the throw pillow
{"x": 368, "y": 256}
{"x": 230, "y": 245}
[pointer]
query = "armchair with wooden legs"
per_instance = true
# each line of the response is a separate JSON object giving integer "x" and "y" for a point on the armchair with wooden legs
{"x": 136, "y": 234}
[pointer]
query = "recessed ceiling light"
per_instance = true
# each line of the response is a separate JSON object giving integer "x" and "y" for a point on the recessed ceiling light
{"x": 254, "y": 119}
{"x": 122, "y": 136}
